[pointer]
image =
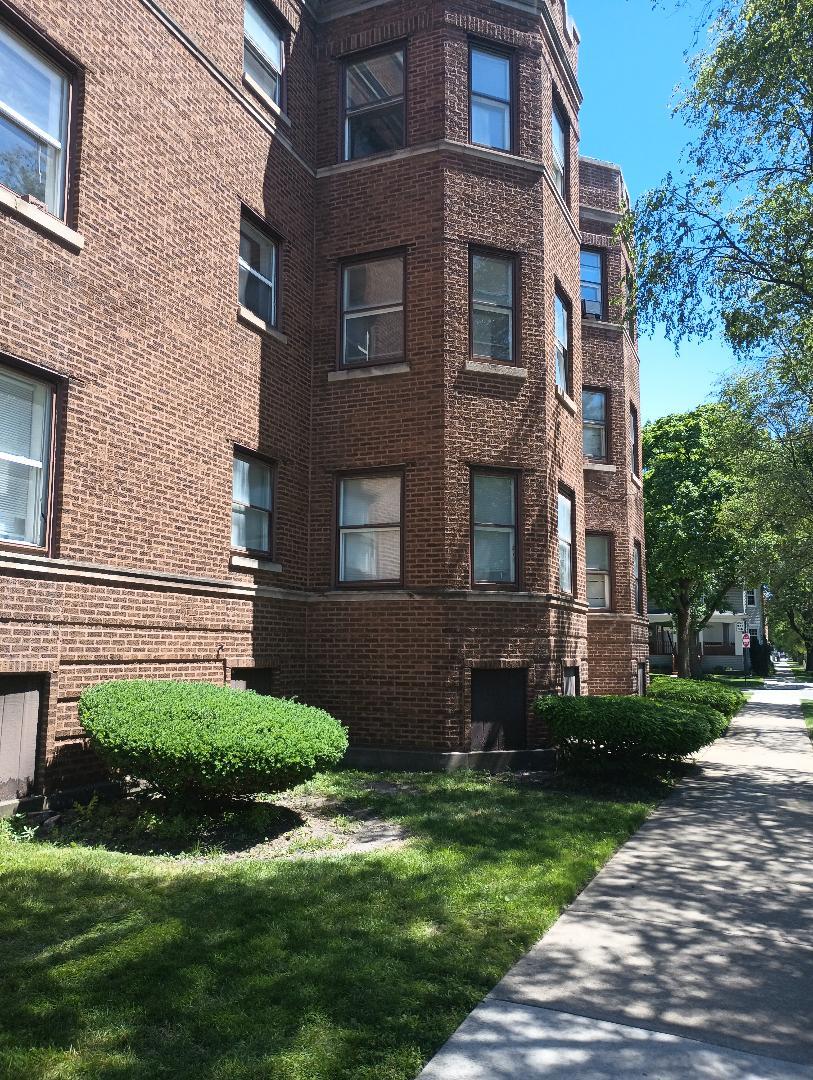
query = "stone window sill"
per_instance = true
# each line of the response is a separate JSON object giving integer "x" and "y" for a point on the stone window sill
{"x": 248, "y": 318}
{"x": 485, "y": 367}
{"x": 247, "y": 562}
{"x": 637, "y": 481}
{"x": 567, "y": 401}
{"x": 372, "y": 372}
{"x": 598, "y": 466}
{"x": 41, "y": 220}
{"x": 269, "y": 102}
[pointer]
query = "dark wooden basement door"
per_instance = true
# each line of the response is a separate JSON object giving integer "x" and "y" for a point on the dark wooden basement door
{"x": 19, "y": 716}
{"x": 499, "y": 708}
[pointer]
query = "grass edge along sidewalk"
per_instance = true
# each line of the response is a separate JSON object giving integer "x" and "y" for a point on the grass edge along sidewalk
{"x": 315, "y": 969}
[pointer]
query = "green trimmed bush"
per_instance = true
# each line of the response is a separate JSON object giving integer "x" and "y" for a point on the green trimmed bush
{"x": 625, "y": 730}
{"x": 725, "y": 700}
{"x": 208, "y": 742}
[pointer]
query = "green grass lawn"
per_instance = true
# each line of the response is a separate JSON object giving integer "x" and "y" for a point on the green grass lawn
{"x": 738, "y": 682}
{"x": 801, "y": 675}
{"x": 118, "y": 967}
{"x": 807, "y": 709}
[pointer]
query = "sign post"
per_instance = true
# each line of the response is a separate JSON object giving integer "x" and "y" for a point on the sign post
{"x": 746, "y": 655}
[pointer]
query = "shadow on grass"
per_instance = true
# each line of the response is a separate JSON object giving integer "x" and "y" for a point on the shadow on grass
{"x": 144, "y": 824}
{"x": 356, "y": 967}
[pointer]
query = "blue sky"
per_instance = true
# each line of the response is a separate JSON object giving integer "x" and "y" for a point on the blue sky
{"x": 631, "y": 59}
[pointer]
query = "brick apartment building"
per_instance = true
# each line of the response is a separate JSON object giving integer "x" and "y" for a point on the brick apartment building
{"x": 292, "y": 349}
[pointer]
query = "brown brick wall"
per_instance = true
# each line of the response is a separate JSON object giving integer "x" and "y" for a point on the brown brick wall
{"x": 163, "y": 379}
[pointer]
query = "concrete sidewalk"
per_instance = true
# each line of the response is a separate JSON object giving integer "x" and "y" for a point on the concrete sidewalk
{"x": 691, "y": 954}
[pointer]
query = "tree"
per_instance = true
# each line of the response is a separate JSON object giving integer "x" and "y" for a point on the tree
{"x": 731, "y": 238}
{"x": 694, "y": 506}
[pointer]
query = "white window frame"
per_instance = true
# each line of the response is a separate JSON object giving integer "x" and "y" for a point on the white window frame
{"x": 566, "y": 542}
{"x": 270, "y": 283}
{"x": 55, "y": 199}
{"x": 39, "y": 494}
{"x": 370, "y": 530}
{"x": 596, "y": 573}
{"x": 265, "y": 61}
{"x": 562, "y": 347}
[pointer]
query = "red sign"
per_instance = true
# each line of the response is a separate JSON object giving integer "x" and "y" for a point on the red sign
{"x": 746, "y": 641}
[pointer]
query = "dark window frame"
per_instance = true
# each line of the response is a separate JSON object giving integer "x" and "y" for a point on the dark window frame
{"x": 497, "y": 470}
{"x": 281, "y": 25}
{"x": 357, "y": 260}
{"x": 274, "y": 237}
{"x": 559, "y": 292}
{"x": 610, "y": 538}
{"x": 496, "y": 49}
{"x": 273, "y": 466}
{"x": 569, "y": 494}
{"x": 347, "y": 61}
{"x": 558, "y": 110}
{"x": 516, "y": 303}
{"x": 57, "y": 385}
{"x": 352, "y": 474}
{"x": 576, "y": 676}
{"x": 608, "y": 433}
{"x": 75, "y": 83}
{"x": 602, "y": 254}
{"x": 634, "y": 440}
{"x": 638, "y": 582}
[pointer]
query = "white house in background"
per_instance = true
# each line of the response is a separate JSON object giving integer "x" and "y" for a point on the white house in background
{"x": 721, "y": 640}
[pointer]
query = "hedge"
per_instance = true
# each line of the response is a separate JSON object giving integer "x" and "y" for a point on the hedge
{"x": 626, "y": 729}
{"x": 723, "y": 699}
{"x": 208, "y": 741}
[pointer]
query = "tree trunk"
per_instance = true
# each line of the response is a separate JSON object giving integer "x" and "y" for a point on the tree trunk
{"x": 695, "y": 663}
{"x": 684, "y": 641}
{"x": 809, "y": 658}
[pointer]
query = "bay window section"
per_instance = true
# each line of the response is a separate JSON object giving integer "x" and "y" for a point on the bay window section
{"x": 370, "y": 529}
{"x": 263, "y": 52}
{"x": 490, "y": 99}
{"x": 592, "y": 284}
{"x": 565, "y": 531}
{"x": 34, "y": 101}
{"x": 594, "y": 424}
{"x": 494, "y": 528}
{"x": 25, "y": 449}
{"x": 561, "y": 322}
{"x": 374, "y": 104}
{"x": 373, "y": 311}
{"x": 258, "y": 265}
{"x": 599, "y": 582}
{"x": 252, "y": 504}
{"x": 493, "y": 302}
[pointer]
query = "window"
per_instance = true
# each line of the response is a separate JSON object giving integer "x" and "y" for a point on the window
{"x": 263, "y": 53}
{"x": 374, "y": 104}
{"x": 559, "y": 140}
{"x": 599, "y": 591}
{"x": 561, "y": 323}
{"x": 25, "y": 447}
{"x": 494, "y": 528}
{"x": 571, "y": 683}
{"x": 492, "y": 307}
{"x": 252, "y": 504}
{"x": 750, "y": 597}
{"x": 373, "y": 311}
{"x": 260, "y": 680}
{"x": 565, "y": 519}
{"x": 634, "y": 449}
{"x": 34, "y": 101}
{"x": 592, "y": 283}
{"x": 594, "y": 424}
{"x": 370, "y": 528}
{"x": 258, "y": 264}
{"x": 490, "y": 99}
{"x": 637, "y": 580}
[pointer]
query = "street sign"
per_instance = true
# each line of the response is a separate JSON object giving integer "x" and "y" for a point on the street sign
{"x": 740, "y": 627}
{"x": 746, "y": 641}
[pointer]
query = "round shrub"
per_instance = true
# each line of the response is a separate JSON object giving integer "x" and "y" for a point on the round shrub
{"x": 625, "y": 729}
{"x": 205, "y": 741}
{"x": 723, "y": 699}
